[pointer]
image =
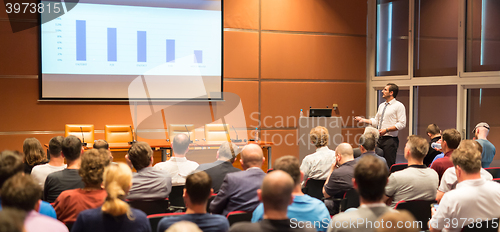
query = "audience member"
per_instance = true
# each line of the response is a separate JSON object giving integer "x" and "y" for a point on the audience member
{"x": 23, "y": 193}
{"x": 115, "y": 214}
{"x": 417, "y": 182}
{"x": 369, "y": 130}
{"x": 370, "y": 178}
{"x": 56, "y": 162}
{"x": 474, "y": 198}
{"x": 71, "y": 202}
{"x": 481, "y": 132}
{"x": 183, "y": 226}
{"x": 397, "y": 221}
{"x": 196, "y": 193}
{"x": 340, "y": 176}
{"x": 450, "y": 141}
{"x": 12, "y": 164}
{"x": 68, "y": 178}
{"x": 148, "y": 183}
{"x": 100, "y": 144}
{"x": 276, "y": 194}
{"x": 316, "y": 165}
{"x": 367, "y": 144}
{"x": 219, "y": 169}
{"x": 449, "y": 179}
{"x": 434, "y": 134}
{"x": 239, "y": 189}
{"x": 178, "y": 166}
{"x": 33, "y": 154}
{"x": 12, "y": 220}
{"x": 304, "y": 208}
{"x": 103, "y": 144}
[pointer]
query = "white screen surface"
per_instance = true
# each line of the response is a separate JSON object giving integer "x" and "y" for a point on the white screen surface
{"x": 97, "y": 49}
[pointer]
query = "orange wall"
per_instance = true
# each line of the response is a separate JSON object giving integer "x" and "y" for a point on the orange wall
{"x": 279, "y": 56}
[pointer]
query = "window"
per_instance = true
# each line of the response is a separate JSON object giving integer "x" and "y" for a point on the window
{"x": 392, "y": 37}
{"x": 436, "y": 38}
{"x": 483, "y": 36}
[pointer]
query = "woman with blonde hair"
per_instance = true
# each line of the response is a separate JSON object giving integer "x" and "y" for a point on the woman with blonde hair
{"x": 115, "y": 214}
{"x": 33, "y": 154}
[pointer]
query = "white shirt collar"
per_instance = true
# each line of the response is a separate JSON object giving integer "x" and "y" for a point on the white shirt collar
{"x": 323, "y": 148}
{"x": 473, "y": 182}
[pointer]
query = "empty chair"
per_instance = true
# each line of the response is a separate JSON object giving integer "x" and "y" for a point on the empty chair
{"x": 494, "y": 171}
{"x": 118, "y": 133}
{"x": 398, "y": 167}
{"x": 151, "y": 206}
{"x": 421, "y": 210}
{"x": 154, "y": 219}
{"x": 217, "y": 132}
{"x": 239, "y": 216}
{"x": 85, "y": 132}
{"x": 350, "y": 200}
{"x": 314, "y": 188}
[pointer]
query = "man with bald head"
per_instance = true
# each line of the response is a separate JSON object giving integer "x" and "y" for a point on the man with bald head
{"x": 276, "y": 194}
{"x": 178, "y": 167}
{"x": 239, "y": 189}
{"x": 340, "y": 177}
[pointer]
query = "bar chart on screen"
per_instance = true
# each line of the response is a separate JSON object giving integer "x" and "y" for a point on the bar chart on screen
{"x": 130, "y": 40}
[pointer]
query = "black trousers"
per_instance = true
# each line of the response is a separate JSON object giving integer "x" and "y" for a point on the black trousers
{"x": 390, "y": 146}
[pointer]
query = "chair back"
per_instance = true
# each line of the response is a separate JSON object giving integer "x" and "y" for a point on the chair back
{"x": 217, "y": 132}
{"x": 350, "y": 200}
{"x": 420, "y": 209}
{"x": 175, "y": 129}
{"x": 314, "y": 188}
{"x": 154, "y": 219}
{"x": 85, "y": 132}
{"x": 239, "y": 216}
{"x": 398, "y": 167}
{"x": 118, "y": 133}
{"x": 494, "y": 171}
{"x": 484, "y": 226}
{"x": 175, "y": 196}
{"x": 150, "y": 206}
{"x": 497, "y": 180}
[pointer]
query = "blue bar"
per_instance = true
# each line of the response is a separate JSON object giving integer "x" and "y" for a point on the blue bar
{"x": 198, "y": 58}
{"x": 112, "y": 44}
{"x": 141, "y": 46}
{"x": 81, "y": 40}
{"x": 170, "y": 50}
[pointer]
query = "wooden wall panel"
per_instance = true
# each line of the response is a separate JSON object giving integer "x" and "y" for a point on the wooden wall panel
{"x": 22, "y": 111}
{"x": 241, "y": 54}
{"x": 285, "y": 99}
{"x": 241, "y": 14}
{"x": 248, "y": 91}
{"x": 285, "y": 143}
{"x": 295, "y": 56}
{"x": 19, "y": 51}
{"x": 332, "y": 16}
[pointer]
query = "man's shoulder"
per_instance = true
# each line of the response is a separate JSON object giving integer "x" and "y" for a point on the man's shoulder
{"x": 56, "y": 175}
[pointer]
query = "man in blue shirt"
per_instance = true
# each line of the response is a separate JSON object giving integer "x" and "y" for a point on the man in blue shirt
{"x": 197, "y": 190}
{"x": 480, "y": 133}
{"x": 304, "y": 208}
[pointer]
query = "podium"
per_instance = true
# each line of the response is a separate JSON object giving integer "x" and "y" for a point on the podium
{"x": 305, "y": 124}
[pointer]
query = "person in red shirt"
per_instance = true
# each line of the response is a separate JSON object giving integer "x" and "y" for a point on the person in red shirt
{"x": 450, "y": 140}
{"x": 71, "y": 202}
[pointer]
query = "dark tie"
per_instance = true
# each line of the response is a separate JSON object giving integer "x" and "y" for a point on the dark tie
{"x": 382, "y": 117}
